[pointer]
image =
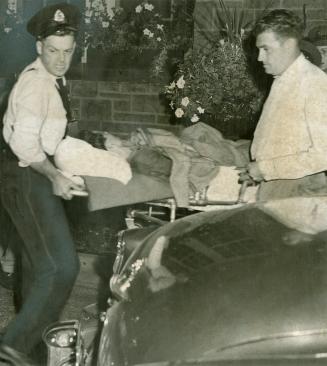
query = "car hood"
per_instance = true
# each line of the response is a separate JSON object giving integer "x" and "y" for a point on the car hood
{"x": 235, "y": 289}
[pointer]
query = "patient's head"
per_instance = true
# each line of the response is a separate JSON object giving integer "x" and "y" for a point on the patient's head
{"x": 116, "y": 145}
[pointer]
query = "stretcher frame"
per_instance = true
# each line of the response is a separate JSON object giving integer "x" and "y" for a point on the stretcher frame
{"x": 197, "y": 202}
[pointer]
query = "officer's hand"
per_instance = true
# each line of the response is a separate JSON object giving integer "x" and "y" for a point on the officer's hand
{"x": 63, "y": 186}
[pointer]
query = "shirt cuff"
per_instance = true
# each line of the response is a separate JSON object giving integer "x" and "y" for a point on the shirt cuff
{"x": 25, "y": 162}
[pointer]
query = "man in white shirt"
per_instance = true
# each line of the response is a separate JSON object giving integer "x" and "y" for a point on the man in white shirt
{"x": 32, "y": 188}
{"x": 289, "y": 148}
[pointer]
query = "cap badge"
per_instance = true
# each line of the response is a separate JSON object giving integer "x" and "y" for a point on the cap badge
{"x": 59, "y": 16}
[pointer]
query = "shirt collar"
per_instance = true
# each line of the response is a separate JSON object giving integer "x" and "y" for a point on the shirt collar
{"x": 292, "y": 69}
{"x": 38, "y": 65}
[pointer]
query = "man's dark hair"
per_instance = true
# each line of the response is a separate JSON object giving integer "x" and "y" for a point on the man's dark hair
{"x": 283, "y": 23}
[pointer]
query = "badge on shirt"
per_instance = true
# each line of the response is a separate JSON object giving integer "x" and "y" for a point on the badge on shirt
{"x": 59, "y": 16}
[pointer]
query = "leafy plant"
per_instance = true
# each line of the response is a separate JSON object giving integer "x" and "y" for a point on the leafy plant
{"x": 214, "y": 83}
{"x": 137, "y": 30}
{"x": 230, "y": 24}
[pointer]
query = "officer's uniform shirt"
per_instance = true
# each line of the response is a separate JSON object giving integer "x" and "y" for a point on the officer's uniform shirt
{"x": 35, "y": 121}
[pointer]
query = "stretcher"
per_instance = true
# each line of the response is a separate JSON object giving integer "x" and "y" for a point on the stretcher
{"x": 107, "y": 193}
{"x": 192, "y": 178}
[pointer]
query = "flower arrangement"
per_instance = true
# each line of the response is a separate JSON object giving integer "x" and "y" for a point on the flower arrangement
{"x": 214, "y": 84}
{"x": 136, "y": 30}
{"x": 117, "y": 30}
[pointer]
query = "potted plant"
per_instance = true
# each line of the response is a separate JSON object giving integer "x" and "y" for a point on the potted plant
{"x": 215, "y": 85}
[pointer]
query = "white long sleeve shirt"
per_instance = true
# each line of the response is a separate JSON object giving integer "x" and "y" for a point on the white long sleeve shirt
{"x": 35, "y": 120}
{"x": 290, "y": 140}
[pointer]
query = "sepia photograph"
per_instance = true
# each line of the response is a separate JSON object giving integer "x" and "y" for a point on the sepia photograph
{"x": 163, "y": 186}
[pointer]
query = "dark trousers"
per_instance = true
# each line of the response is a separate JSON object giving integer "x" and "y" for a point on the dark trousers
{"x": 49, "y": 261}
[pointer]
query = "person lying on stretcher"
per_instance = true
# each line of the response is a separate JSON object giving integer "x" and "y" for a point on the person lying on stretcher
{"x": 188, "y": 163}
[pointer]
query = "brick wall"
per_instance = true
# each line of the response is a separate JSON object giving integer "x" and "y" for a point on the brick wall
{"x": 119, "y": 107}
{"x": 316, "y": 11}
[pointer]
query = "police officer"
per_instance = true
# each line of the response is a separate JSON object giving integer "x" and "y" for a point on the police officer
{"x": 32, "y": 189}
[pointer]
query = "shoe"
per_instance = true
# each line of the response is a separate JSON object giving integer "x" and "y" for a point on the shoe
{"x": 12, "y": 357}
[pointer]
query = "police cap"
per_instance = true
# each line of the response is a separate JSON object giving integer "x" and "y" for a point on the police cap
{"x": 54, "y": 19}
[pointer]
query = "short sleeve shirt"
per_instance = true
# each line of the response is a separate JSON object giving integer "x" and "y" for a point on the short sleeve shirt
{"x": 35, "y": 120}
